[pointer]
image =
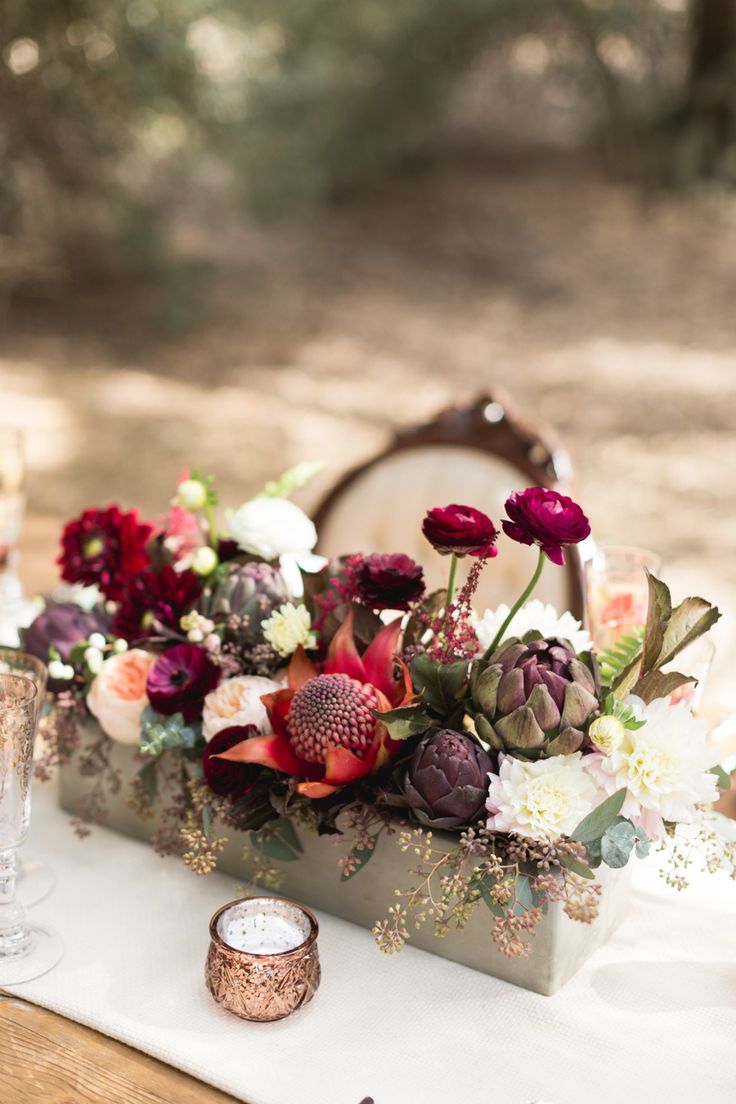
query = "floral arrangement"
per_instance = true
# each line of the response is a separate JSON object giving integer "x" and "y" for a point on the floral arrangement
{"x": 265, "y": 690}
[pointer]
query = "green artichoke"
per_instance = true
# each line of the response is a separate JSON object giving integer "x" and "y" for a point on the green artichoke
{"x": 535, "y": 697}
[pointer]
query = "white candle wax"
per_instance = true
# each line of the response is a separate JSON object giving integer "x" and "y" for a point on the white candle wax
{"x": 264, "y": 926}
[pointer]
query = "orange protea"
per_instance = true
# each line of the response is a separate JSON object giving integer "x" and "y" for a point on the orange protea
{"x": 324, "y": 728}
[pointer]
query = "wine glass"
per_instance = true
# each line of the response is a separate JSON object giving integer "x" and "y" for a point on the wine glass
{"x": 35, "y": 878}
{"x": 26, "y": 950}
{"x": 15, "y": 609}
{"x": 618, "y": 592}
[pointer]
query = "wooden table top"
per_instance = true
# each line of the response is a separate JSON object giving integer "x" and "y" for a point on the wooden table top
{"x": 46, "y": 1059}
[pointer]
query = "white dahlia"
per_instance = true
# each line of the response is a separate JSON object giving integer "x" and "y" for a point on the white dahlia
{"x": 664, "y": 766}
{"x": 534, "y": 615}
{"x": 545, "y": 799}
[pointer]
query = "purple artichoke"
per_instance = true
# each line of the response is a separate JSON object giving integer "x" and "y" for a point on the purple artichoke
{"x": 246, "y": 598}
{"x": 447, "y": 781}
{"x": 535, "y": 696}
{"x": 62, "y": 625}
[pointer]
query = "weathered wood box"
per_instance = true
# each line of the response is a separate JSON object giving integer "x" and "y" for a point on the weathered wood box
{"x": 559, "y": 948}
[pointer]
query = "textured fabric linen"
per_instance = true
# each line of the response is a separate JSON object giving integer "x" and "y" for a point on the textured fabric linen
{"x": 651, "y": 1019}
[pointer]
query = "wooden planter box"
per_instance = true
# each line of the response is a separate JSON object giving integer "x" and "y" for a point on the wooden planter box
{"x": 559, "y": 948}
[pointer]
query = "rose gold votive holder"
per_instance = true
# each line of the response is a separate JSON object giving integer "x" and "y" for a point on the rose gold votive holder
{"x": 262, "y": 962}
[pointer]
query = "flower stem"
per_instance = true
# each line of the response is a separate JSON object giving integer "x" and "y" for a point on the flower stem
{"x": 517, "y": 606}
{"x": 211, "y": 525}
{"x": 451, "y": 580}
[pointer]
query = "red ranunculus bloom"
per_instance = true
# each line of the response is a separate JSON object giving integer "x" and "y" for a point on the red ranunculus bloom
{"x": 104, "y": 547}
{"x": 325, "y": 731}
{"x": 156, "y": 598}
{"x": 460, "y": 530}
{"x": 547, "y": 519}
{"x": 223, "y": 777}
{"x": 180, "y": 680}
{"x": 389, "y": 581}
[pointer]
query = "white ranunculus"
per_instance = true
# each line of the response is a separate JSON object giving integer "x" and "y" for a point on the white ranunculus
{"x": 534, "y": 615}
{"x": 664, "y": 766}
{"x": 272, "y": 527}
{"x": 545, "y": 799}
{"x": 237, "y": 701}
{"x": 117, "y": 696}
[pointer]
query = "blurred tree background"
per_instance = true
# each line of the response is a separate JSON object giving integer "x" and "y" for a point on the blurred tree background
{"x": 117, "y": 119}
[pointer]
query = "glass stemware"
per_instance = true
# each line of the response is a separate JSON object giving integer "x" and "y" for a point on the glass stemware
{"x": 617, "y": 591}
{"x": 15, "y": 609}
{"x": 26, "y": 950}
{"x": 35, "y": 878}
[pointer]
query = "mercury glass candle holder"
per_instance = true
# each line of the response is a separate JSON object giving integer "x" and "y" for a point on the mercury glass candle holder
{"x": 34, "y": 878}
{"x": 263, "y": 962}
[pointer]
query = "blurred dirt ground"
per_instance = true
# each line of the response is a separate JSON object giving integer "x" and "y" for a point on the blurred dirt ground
{"x": 608, "y": 313}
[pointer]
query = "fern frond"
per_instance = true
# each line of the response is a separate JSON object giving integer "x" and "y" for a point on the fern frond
{"x": 616, "y": 659}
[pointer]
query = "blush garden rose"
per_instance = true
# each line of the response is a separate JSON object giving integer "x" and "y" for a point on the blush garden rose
{"x": 117, "y": 696}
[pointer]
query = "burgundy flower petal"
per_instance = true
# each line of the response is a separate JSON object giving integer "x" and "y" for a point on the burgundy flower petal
{"x": 389, "y": 581}
{"x": 156, "y": 596}
{"x": 547, "y": 519}
{"x": 224, "y": 776}
{"x": 104, "y": 548}
{"x": 180, "y": 679}
{"x": 460, "y": 531}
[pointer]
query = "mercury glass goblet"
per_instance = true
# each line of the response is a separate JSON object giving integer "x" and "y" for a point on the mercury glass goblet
{"x": 35, "y": 878}
{"x": 26, "y": 950}
{"x": 618, "y": 591}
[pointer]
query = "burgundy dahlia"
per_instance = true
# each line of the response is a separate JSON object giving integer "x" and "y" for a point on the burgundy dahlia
{"x": 389, "y": 581}
{"x": 547, "y": 519}
{"x": 180, "y": 680}
{"x": 156, "y": 598}
{"x": 460, "y": 531}
{"x": 224, "y": 776}
{"x": 104, "y": 548}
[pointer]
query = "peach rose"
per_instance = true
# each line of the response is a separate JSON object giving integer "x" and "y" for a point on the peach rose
{"x": 237, "y": 701}
{"x": 117, "y": 697}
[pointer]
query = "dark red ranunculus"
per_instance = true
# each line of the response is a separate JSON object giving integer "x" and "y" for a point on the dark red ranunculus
{"x": 104, "y": 548}
{"x": 223, "y": 776}
{"x": 156, "y": 597}
{"x": 389, "y": 581}
{"x": 547, "y": 519}
{"x": 180, "y": 680}
{"x": 460, "y": 530}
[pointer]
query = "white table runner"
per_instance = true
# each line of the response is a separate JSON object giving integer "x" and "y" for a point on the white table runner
{"x": 651, "y": 1018}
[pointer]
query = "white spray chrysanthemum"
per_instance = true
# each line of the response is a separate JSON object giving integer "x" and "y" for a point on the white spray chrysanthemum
{"x": 287, "y": 628}
{"x": 545, "y": 799}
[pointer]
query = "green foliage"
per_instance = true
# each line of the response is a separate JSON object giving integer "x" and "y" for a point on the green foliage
{"x": 619, "y": 840}
{"x": 160, "y": 733}
{"x": 359, "y": 857}
{"x": 614, "y": 661}
{"x": 440, "y": 684}
{"x": 278, "y": 840}
{"x": 411, "y": 720}
{"x": 292, "y": 479}
{"x": 593, "y": 826}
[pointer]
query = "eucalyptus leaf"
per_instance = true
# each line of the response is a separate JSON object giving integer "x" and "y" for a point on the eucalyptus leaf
{"x": 576, "y": 866}
{"x": 278, "y": 840}
{"x": 363, "y": 855}
{"x": 485, "y": 892}
{"x": 160, "y": 733}
{"x": 723, "y": 778}
{"x": 593, "y": 826}
{"x": 617, "y": 843}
